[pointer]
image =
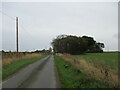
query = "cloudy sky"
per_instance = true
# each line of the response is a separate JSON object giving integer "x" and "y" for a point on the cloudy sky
{"x": 41, "y": 22}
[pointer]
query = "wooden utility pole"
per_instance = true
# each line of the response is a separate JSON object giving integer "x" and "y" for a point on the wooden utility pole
{"x": 17, "y": 33}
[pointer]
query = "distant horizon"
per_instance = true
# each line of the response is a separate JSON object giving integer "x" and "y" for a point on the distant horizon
{"x": 48, "y": 49}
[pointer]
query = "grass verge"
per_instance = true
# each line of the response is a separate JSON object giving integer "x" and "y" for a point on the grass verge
{"x": 96, "y": 65}
{"x": 13, "y": 67}
{"x": 70, "y": 77}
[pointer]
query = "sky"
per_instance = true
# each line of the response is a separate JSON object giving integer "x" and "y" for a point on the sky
{"x": 41, "y": 22}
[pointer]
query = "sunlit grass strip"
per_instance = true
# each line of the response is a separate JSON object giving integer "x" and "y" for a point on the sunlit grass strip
{"x": 70, "y": 77}
{"x": 13, "y": 67}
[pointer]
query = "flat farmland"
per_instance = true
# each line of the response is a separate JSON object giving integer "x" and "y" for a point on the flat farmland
{"x": 104, "y": 59}
{"x": 102, "y": 67}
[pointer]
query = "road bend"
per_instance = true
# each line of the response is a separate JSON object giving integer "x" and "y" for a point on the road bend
{"x": 41, "y": 74}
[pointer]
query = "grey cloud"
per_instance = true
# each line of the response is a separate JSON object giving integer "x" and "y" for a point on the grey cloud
{"x": 44, "y": 21}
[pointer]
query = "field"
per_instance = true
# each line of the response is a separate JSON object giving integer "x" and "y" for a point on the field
{"x": 102, "y": 67}
{"x": 70, "y": 77}
{"x": 13, "y": 62}
{"x": 9, "y": 57}
{"x": 105, "y": 59}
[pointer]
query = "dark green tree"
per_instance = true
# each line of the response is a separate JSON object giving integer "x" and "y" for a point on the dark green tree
{"x": 76, "y": 45}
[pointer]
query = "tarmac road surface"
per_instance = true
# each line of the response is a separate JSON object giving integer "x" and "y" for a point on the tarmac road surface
{"x": 41, "y": 74}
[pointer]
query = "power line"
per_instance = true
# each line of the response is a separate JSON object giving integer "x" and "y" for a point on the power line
{"x": 7, "y": 15}
{"x": 24, "y": 29}
{"x": 20, "y": 25}
{"x": 14, "y": 20}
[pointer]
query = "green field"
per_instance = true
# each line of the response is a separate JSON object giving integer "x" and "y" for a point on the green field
{"x": 107, "y": 59}
{"x": 70, "y": 77}
{"x": 13, "y": 67}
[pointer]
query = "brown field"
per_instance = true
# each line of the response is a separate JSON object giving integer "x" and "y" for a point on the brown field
{"x": 8, "y": 57}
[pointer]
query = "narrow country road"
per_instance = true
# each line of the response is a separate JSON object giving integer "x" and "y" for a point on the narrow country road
{"x": 41, "y": 74}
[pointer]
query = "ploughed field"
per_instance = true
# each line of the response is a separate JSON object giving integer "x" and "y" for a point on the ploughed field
{"x": 102, "y": 67}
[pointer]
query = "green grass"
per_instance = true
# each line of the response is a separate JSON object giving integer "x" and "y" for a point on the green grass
{"x": 13, "y": 67}
{"x": 109, "y": 59}
{"x": 71, "y": 78}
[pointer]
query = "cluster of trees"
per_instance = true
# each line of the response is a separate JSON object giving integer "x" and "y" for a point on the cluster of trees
{"x": 76, "y": 45}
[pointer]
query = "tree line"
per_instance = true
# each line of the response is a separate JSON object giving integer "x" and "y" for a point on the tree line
{"x": 76, "y": 45}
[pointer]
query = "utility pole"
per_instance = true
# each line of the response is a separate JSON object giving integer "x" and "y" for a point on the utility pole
{"x": 17, "y": 33}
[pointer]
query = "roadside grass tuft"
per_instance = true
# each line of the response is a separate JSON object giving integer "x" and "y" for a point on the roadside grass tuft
{"x": 13, "y": 67}
{"x": 70, "y": 77}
